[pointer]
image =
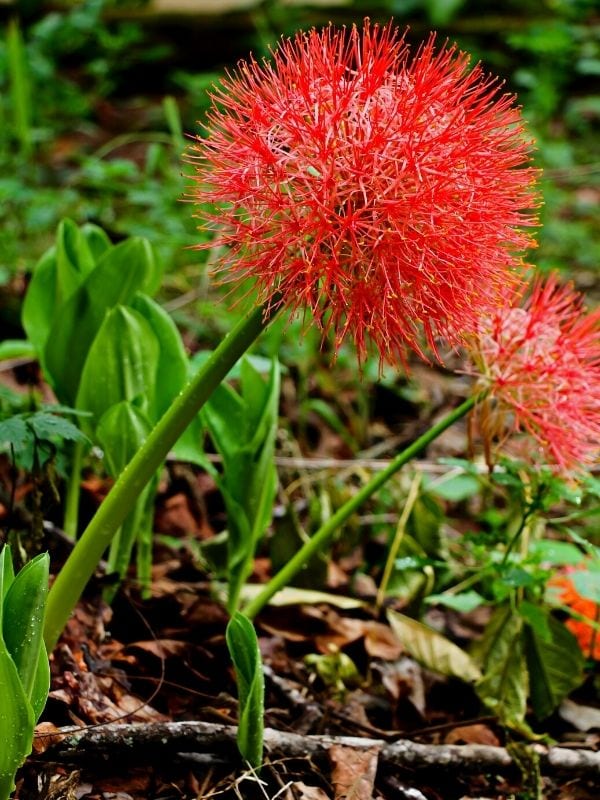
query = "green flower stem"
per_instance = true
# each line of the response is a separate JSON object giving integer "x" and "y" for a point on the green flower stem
{"x": 321, "y": 538}
{"x": 88, "y": 551}
{"x": 73, "y": 492}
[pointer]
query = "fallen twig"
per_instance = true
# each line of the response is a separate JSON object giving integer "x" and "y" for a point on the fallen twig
{"x": 160, "y": 740}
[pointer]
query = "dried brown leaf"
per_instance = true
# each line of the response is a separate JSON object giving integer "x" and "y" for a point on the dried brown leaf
{"x": 353, "y": 773}
{"x": 304, "y": 792}
{"x": 472, "y": 734}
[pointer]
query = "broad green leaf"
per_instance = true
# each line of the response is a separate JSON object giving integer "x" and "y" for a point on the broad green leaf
{"x": 41, "y": 684}
{"x": 15, "y": 433}
{"x": 96, "y": 239}
{"x": 224, "y": 415}
{"x": 154, "y": 270}
{"x": 40, "y": 304}
{"x": 47, "y": 426}
{"x": 552, "y": 551}
{"x": 23, "y": 618}
{"x": 119, "y": 274}
{"x": 17, "y": 720}
{"x": 455, "y": 488}
{"x": 463, "y": 602}
{"x": 56, "y": 277}
{"x": 262, "y": 401}
{"x": 255, "y": 391}
{"x": 500, "y": 653}
{"x": 243, "y": 427}
{"x": 537, "y": 618}
{"x": 241, "y": 420}
{"x": 121, "y": 364}
{"x": 260, "y": 364}
{"x": 16, "y": 715}
{"x": 121, "y": 432}
{"x": 190, "y": 446}
{"x": 172, "y": 366}
{"x": 425, "y": 525}
{"x": 555, "y": 665}
{"x": 74, "y": 260}
{"x": 7, "y": 575}
{"x": 245, "y": 654}
{"x": 432, "y": 649}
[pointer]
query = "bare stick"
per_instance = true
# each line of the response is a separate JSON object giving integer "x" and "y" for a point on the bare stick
{"x": 144, "y": 742}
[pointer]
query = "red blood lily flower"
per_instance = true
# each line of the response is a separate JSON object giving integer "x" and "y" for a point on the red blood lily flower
{"x": 539, "y": 359}
{"x": 388, "y": 195}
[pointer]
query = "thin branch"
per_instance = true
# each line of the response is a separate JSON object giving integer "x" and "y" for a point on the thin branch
{"x": 146, "y": 742}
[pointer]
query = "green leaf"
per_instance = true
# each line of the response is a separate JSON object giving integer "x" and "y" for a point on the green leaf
{"x": 17, "y": 723}
{"x": 120, "y": 273}
{"x": 432, "y": 649}
{"x": 243, "y": 427}
{"x": 15, "y": 433}
{"x": 96, "y": 240}
{"x": 537, "y": 618}
{"x": 121, "y": 432}
{"x": 23, "y": 618}
{"x": 260, "y": 364}
{"x": 172, "y": 365}
{"x": 425, "y": 525}
{"x": 121, "y": 364}
{"x": 224, "y": 415}
{"x": 245, "y": 654}
{"x": 464, "y": 602}
{"x": 555, "y": 665}
{"x": 56, "y": 277}
{"x": 190, "y": 446}
{"x": 456, "y": 488}
{"x": 41, "y": 684}
{"x": 74, "y": 260}
{"x": 7, "y": 575}
{"x": 16, "y": 714}
{"x": 504, "y": 685}
{"x": 48, "y": 426}
{"x": 551, "y": 551}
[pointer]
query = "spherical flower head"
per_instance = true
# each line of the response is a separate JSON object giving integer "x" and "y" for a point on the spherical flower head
{"x": 389, "y": 195}
{"x": 538, "y": 358}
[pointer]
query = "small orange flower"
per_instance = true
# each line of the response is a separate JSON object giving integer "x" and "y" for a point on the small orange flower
{"x": 587, "y": 636}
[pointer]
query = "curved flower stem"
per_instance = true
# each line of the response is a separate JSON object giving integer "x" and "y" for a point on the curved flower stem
{"x": 88, "y": 551}
{"x": 322, "y": 537}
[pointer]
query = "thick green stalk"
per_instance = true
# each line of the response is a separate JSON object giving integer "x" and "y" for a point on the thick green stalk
{"x": 88, "y": 551}
{"x": 73, "y": 492}
{"x": 321, "y": 538}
